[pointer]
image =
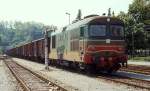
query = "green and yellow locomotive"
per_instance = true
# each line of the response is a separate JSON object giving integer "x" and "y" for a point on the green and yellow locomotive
{"x": 92, "y": 43}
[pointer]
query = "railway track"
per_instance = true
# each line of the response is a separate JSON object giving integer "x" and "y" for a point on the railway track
{"x": 137, "y": 69}
{"x": 133, "y": 82}
{"x": 137, "y": 83}
{"x": 31, "y": 81}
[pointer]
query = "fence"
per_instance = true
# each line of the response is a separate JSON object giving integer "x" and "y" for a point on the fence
{"x": 140, "y": 53}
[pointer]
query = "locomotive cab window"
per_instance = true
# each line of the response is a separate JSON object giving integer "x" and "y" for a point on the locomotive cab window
{"x": 116, "y": 31}
{"x": 53, "y": 41}
{"x": 97, "y": 30}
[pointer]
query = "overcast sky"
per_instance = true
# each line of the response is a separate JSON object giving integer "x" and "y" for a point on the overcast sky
{"x": 53, "y": 11}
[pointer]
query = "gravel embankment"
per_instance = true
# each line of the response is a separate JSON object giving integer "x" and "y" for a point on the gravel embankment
{"x": 79, "y": 81}
{"x": 7, "y": 81}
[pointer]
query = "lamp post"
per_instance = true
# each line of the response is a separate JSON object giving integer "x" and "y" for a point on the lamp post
{"x": 68, "y": 16}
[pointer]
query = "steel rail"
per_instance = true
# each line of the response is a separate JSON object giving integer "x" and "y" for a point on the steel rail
{"x": 41, "y": 77}
{"x": 137, "y": 69}
{"x": 123, "y": 80}
{"x": 24, "y": 85}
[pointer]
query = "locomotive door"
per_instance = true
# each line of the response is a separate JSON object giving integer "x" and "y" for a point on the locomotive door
{"x": 81, "y": 43}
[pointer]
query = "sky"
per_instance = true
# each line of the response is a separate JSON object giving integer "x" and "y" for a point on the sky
{"x": 54, "y": 11}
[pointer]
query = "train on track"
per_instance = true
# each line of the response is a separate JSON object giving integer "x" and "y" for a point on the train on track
{"x": 93, "y": 43}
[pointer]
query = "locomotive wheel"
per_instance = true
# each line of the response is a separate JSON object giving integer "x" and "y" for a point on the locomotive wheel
{"x": 110, "y": 71}
{"x": 114, "y": 68}
{"x": 117, "y": 67}
{"x": 90, "y": 69}
{"x": 80, "y": 67}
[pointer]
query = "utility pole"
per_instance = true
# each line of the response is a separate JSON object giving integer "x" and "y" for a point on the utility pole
{"x": 46, "y": 48}
{"x": 135, "y": 19}
{"x": 48, "y": 29}
{"x": 132, "y": 43}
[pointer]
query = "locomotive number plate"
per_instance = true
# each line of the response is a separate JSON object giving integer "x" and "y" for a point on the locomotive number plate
{"x": 107, "y": 40}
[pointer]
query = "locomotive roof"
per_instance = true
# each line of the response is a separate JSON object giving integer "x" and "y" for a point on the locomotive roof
{"x": 102, "y": 19}
{"x": 56, "y": 32}
{"x": 80, "y": 23}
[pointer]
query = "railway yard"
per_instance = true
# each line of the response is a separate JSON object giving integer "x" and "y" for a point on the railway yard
{"x": 105, "y": 48}
{"x": 87, "y": 55}
{"x": 26, "y": 75}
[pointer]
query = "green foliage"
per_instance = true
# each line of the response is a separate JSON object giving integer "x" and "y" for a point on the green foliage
{"x": 137, "y": 17}
{"x": 140, "y": 9}
{"x": 13, "y": 34}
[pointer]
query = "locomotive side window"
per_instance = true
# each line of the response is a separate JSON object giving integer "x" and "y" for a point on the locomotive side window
{"x": 116, "y": 30}
{"x": 81, "y": 31}
{"x": 97, "y": 30}
{"x": 53, "y": 41}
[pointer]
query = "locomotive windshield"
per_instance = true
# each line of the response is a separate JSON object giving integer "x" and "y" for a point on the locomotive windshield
{"x": 97, "y": 30}
{"x": 102, "y": 30}
{"x": 116, "y": 31}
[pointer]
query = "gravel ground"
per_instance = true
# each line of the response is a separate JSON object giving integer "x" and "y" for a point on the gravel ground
{"x": 7, "y": 81}
{"x": 79, "y": 81}
{"x": 139, "y": 63}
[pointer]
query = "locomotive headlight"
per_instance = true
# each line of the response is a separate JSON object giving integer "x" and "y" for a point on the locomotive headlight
{"x": 108, "y": 19}
{"x": 102, "y": 58}
{"x": 120, "y": 48}
{"x": 110, "y": 58}
{"x": 92, "y": 47}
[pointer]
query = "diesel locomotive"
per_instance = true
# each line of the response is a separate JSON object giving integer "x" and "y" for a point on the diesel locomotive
{"x": 93, "y": 43}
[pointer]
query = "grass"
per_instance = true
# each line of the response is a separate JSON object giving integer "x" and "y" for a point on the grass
{"x": 140, "y": 58}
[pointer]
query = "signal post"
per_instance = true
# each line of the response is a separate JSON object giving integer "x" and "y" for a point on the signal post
{"x": 46, "y": 48}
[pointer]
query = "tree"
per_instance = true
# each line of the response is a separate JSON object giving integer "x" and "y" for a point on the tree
{"x": 17, "y": 33}
{"x": 140, "y": 9}
{"x": 135, "y": 20}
